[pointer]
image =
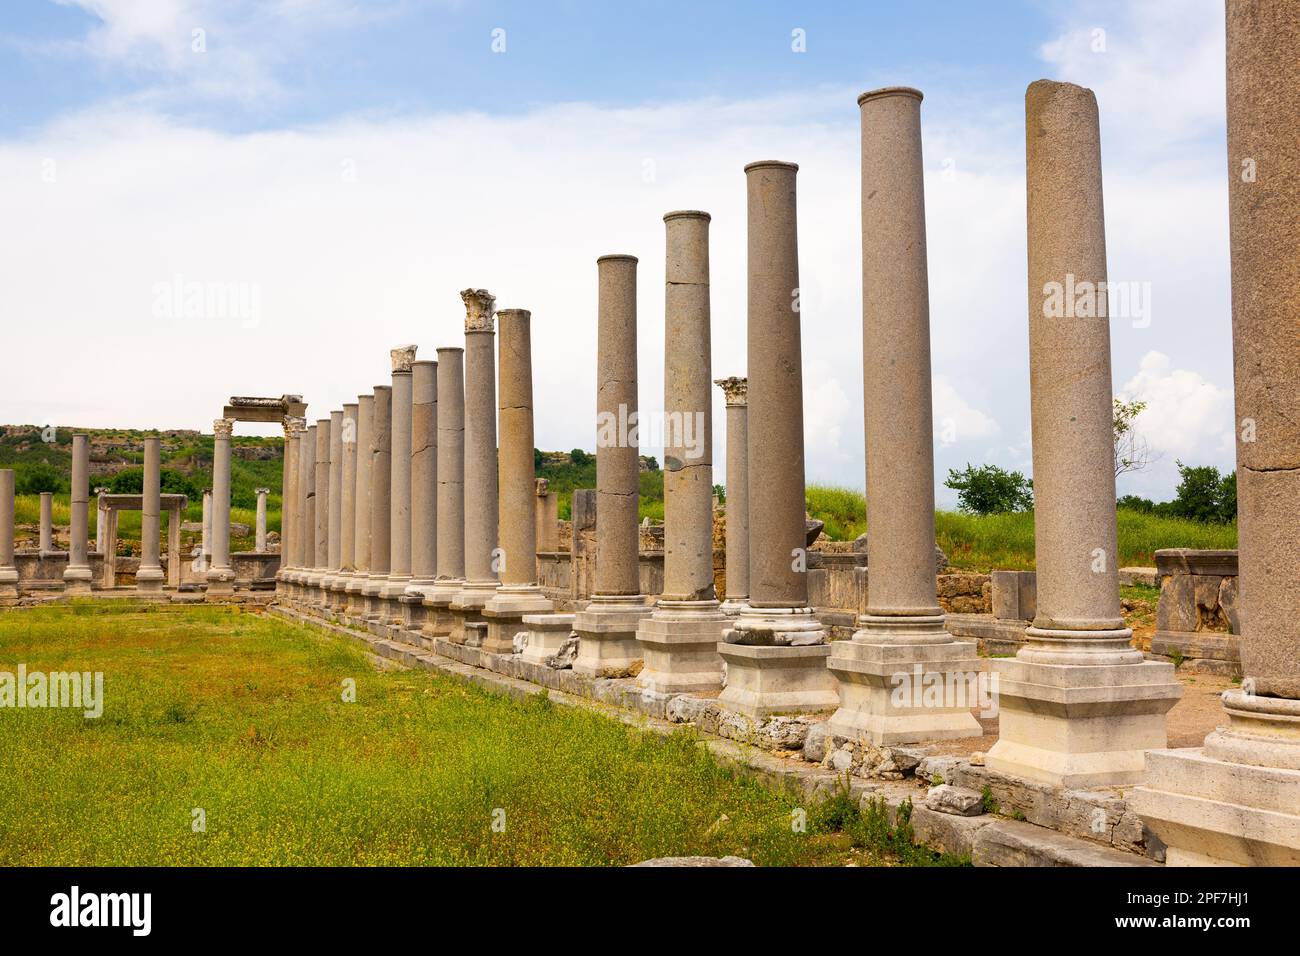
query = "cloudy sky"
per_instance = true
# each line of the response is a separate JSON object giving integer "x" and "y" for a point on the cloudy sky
{"x": 340, "y": 170}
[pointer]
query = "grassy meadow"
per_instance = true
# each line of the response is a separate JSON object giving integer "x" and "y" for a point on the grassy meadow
{"x": 242, "y": 717}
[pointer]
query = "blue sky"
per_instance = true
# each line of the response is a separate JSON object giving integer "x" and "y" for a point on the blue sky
{"x": 354, "y": 165}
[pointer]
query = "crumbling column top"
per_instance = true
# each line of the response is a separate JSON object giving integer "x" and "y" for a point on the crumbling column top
{"x": 403, "y": 357}
{"x": 890, "y": 91}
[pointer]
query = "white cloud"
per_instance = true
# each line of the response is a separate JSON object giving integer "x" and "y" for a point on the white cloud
{"x": 955, "y": 421}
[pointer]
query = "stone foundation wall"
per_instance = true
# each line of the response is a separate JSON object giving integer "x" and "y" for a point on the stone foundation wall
{"x": 1197, "y": 624}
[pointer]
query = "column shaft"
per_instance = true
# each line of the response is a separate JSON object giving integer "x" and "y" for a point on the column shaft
{"x": 736, "y": 391}
{"x": 335, "y": 521}
{"x": 365, "y": 435}
{"x": 480, "y": 441}
{"x": 321, "y": 475}
{"x": 8, "y": 572}
{"x": 150, "y": 574}
{"x": 381, "y": 452}
{"x": 76, "y": 576}
{"x": 348, "y": 492}
{"x": 259, "y": 533}
{"x": 518, "y": 489}
{"x": 220, "y": 576}
{"x": 399, "y": 512}
{"x": 424, "y": 476}
{"x": 451, "y": 464}
{"x": 47, "y": 522}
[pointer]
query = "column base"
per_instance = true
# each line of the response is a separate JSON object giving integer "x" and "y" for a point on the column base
{"x": 150, "y": 580}
{"x": 412, "y": 606}
{"x": 732, "y": 606}
{"x": 1080, "y": 725}
{"x": 77, "y": 580}
{"x": 546, "y": 636}
{"x": 355, "y": 602}
{"x": 679, "y": 643}
{"x": 767, "y": 680}
{"x": 371, "y": 592}
{"x": 439, "y": 621}
{"x": 467, "y": 608}
{"x": 221, "y": 585}
{"x": 606, "y": 629}
{"x": 906, "y": 693}
{"x": 505, "y": 615}
{"x": 8, "y": 587}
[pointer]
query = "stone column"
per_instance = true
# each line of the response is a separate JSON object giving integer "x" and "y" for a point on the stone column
{"x": 288, "y": 497}
{"x": 1237, "y": 800}
{"x": 607, "y": 644}
{"x": 221, "y": 578}
{"x": 901, "y": 646}
{"x": 348, "y": 502}
{"x": 150, "y": 576}
{"x": 260, "y": 530}
{"x": 205, "y": 539}
{"x": 332, "y": 583}
{"x": 99, "y": 492}
{"x": 47, "y": 523}
{"x": 680, "y": 639}
{"x": 480, "y": 469}
{"x": 776, "y": 653}
{"x": 381, "y": 455}
{"x": 175, "y": 512}
{"x": 308, "y": 458}
{"x": 547, "y": 517}
{"x": 440, "y": 622}
{"x": 321, "y": 514}
{"x": 519, "y": 593}
{"x": 76, "y": 577}
{"x": 424, "y": 493}
{"x": 736, "y": 391}
{"x": 8, "y": 572}
{"x": 399, "y": 511}
{"x": 361, "y": 507}
{"x": 1078, "y": 705}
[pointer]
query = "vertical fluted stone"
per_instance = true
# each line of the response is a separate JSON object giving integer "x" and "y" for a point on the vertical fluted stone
{"x": 47, "y": 523}
{"x": 480, "y": 465}
{"x": 736, "y": 392}
{"x": 259, "y": 528}
{"x": 607, "y": 627}
{"x": 440, "y": 621}
{"x": 381, "y": 474}
{"x": 424, "y": 478}
{"x": 1237, "y": 800}
{"x": 150, "y": 575}
{"x": 332, "y": 583}
{"x": 399, "y": 510}
{"x": 8, "y": 571}
{"x": 362, "y": 506}
{"x": 775, "y": 654}
{"x": 1077, "y": 650}
{"x": 76, "y": 577}
{"x": 679, "y": 640}
{"x": 901, "y": 637}
{"x": 519, "y": 593}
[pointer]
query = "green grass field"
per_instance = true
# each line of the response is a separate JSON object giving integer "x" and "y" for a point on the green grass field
{"x": 242, "y": 717}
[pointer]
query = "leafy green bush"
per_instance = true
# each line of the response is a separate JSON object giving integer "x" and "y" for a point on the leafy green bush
{"x": 988, "y": 490}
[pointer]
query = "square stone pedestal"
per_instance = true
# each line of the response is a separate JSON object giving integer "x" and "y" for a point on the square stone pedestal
{"x": 907, "y": 693}
{"x": 505, "y": 616}
{"x": 546, "y": 635}
{"x": 679, "y": 644}
{"x": 777, "y": 679}
{"x": 606, "y": 629}
{"x": 439, "y": 621}
{"x": 356, "y": 600}
{"x": 1080, "y": 725}
{"x": 371, "y": 591}
{"x": 467, "y": 608}
{"x": 412, "y": 604}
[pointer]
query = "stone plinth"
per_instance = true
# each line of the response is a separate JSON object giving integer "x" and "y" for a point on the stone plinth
{"x": 607, "y": 635}
{"x": 1198, "y": 624}
{"x": 777, "y": 679}
{"x": 546, "y": 634}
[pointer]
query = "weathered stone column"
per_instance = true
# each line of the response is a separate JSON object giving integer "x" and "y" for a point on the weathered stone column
{"x": 1237, "y": 800}
{"x": 150, "y": 575}
{"x": 1078, "y": 705}
{"x": 76, "y": 577}
{"x": 901, "y": 646}
{"x": 399, "y": 511}
{"x": 424, "y": 493}
{"x": 331, "y": 583}
{"x": 736, "y": 391}
{"x": 47, "y": 523}
{"x": 776, "y": 653}
{"x": 361, "y": 507}
{"x": 99, "y": 491}
{"x": 348, "y": 504}
{"x": 547, "y": 513}
{"x": 221, "y": 577}
{"x": 519, "y": 593}
{"x": 205, "y": 538}
{"x": 439, "y": 621}
{"x": 680, "y": 639}
{"x": 480, "y": 469}
{"x": 607, "y": 644}
{"x": 308, "y": 458}
{"x": 321, "y": 528}
{"x": 288, "y": 509}
{"x": 8, "y": 572}
{"x": 381, "y": 460}
{"x": 259, "y": 532}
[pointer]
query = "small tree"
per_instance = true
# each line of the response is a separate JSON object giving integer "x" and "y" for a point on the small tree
{"x": 1205, "y": 495}
{"x": 1132, "y": 453}
{"x": 990, "y": 490}
{"x": 37, "y": 477}
{"x": 579, "y": 457}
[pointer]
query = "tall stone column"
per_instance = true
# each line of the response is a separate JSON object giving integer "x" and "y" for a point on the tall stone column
{"x": 736, "y": 391}
{"x": 8, "y": 572}
{"x": 776, "y": 652}
{"x": 399, "y": 511}
{"x": 308, "y": 458}
{"x": 331, "y": 582}
{"x": 321, "y": 505}
{"x": 1078, "y": 704}
{"x": 381, "y": 474}
{"x": 288, "y": 509}
{"x": 901, "y": 646}
{"x": 99, "y": 492}
{"x": 259, "y": 533}
{"x": 348, "y": 502}
{"x": 680, "y": 639}
{"x": 205, "y": 539}
{"x": 221, "y": 577}
{"x": 150, "y": 576}
{"x": 606, "y": 628}
{"x": 361, "y": 505}
{"x": 439, "y": 621}
{"x": 519, "y": 593}
{"x": 47, "y": 523}
{"x": 1237, "y": 800}
{"x": 76, "y": 577}
{"x": 480, "y": 468}
{"x": 424, "y": 492}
